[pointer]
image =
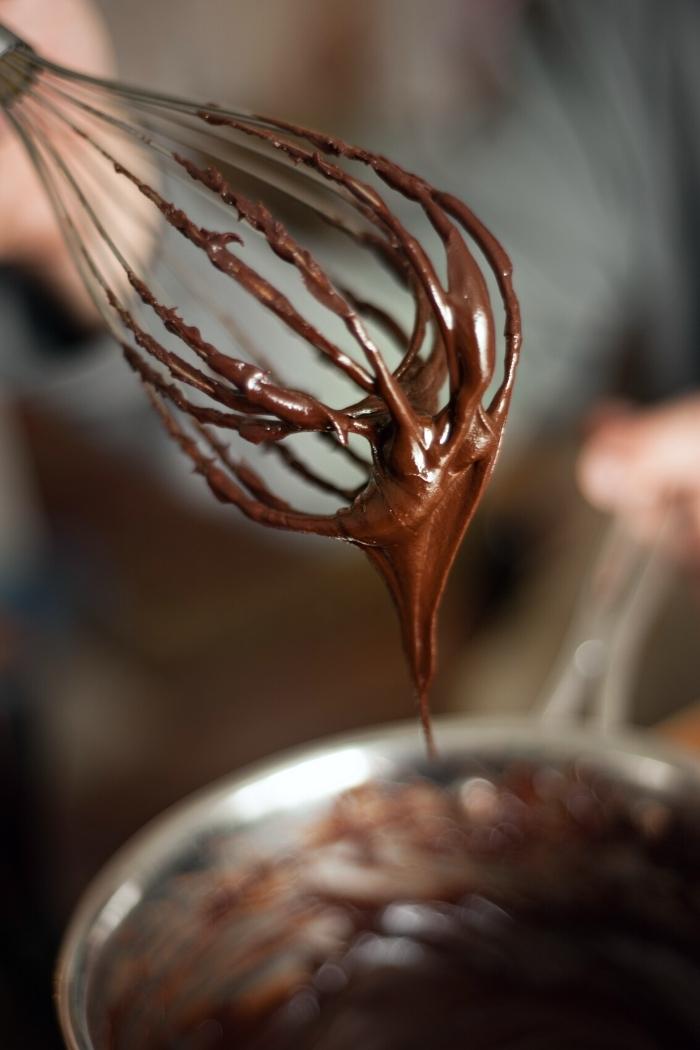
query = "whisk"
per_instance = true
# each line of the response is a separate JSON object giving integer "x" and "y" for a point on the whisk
{"x": 227, "y": 251}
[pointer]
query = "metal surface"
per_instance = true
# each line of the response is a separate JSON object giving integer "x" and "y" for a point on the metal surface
{"x": 594, "y": 674}
{"x": 9, "y": 41}
{"x": 269, "y": 804}
{"x": 16, "y": 72}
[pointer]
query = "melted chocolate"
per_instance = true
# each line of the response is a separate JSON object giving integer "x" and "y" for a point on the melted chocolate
{"x": 539, "y": 911}
{"x": 430, "y": 461}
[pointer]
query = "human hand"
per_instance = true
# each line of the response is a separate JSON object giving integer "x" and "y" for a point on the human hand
{"x": 643, "y": 463}
{"x": 72, "y": 33}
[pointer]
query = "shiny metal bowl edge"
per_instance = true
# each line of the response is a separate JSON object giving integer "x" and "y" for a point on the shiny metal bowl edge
{"x": 277, "y": 797}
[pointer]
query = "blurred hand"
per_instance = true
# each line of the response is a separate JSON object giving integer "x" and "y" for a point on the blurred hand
{"x": 643, "y": 463}
{"x": 72, "y": 33}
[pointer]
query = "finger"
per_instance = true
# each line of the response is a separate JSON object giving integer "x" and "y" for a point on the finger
{"x": 640, "y": 458}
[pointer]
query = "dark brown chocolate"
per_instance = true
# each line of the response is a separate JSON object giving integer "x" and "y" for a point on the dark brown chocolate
{"x": 536, "y": 910}
{"x": 430, "y": 461}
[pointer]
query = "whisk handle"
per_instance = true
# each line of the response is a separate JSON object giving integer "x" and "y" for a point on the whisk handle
{"x": 9, "y": 41}
{"x": 15, "y": 76}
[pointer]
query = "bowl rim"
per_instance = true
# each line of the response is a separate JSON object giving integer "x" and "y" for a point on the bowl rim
{"x": 666, "y": 763}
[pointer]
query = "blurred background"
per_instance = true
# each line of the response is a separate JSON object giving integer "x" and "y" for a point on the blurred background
{"x": 150, "y": 640}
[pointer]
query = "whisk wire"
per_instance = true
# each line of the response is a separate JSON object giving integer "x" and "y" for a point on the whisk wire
{"x": 247, "y": 211}
{"x": 87, "y": 209}
{"x": 355, "y": 326}
{"x": 239, "y": 121}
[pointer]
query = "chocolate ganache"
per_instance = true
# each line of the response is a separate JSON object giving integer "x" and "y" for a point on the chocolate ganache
{"x": 538, "y": 909}
{"x": 431, "y": 453}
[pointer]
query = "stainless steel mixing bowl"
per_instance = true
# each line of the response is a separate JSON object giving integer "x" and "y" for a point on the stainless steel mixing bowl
{"x": 265, "y": 809}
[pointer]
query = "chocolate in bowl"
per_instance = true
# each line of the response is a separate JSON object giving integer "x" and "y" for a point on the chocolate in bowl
{"x": 527, "y": 890}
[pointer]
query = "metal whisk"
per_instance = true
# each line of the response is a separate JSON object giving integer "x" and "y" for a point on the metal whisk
{"x": 291, "y": 292}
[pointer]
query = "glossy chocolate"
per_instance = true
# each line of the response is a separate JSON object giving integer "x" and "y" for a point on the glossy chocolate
{"x": 430, "y": 460}
{"x": 535, "y": 910}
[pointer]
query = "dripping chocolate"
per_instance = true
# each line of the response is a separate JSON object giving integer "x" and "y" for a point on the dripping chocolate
{"x": 430, "y": 460}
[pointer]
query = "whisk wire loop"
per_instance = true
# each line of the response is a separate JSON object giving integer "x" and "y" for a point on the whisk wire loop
{"x": 89, "y": 138}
